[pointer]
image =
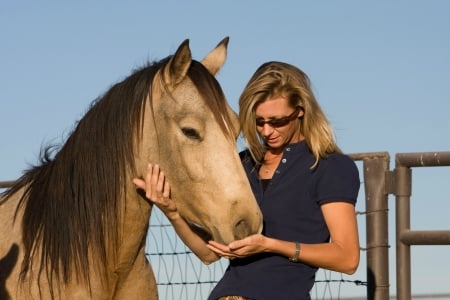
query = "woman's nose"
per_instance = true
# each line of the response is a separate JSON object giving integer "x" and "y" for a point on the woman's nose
{"x": 267, "y": 129}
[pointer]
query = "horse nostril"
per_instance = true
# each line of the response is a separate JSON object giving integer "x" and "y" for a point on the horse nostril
{"x": 241, "y": 229}
{"x": 201, "y": 232}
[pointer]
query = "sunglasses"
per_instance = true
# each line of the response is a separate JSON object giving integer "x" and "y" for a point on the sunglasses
{"x": 278, "y": 122}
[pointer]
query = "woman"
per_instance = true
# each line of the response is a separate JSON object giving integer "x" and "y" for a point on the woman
{"x": 306, "y": 189}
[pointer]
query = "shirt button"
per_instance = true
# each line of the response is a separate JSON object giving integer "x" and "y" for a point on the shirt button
{"x": 283, "y": 160}
{"x": 288, "y": 149}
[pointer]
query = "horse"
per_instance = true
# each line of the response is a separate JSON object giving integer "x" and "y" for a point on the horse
{"x": 74, "y": 226}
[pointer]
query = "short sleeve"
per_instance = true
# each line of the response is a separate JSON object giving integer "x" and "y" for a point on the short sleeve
{"x": 338, "y": 180}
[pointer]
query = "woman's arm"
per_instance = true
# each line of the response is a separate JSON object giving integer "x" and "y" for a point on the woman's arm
{"x": 341, "y": 254}
{"x": 157, "y": 191}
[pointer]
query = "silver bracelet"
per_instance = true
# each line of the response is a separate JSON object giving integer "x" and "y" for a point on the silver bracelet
{"x": 295, "y": 258}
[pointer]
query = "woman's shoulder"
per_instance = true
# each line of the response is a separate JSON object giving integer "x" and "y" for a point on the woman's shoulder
{"x": 340, "y": 157}
{"x": 338, "y": 178}
{"x": 339, "y": 161}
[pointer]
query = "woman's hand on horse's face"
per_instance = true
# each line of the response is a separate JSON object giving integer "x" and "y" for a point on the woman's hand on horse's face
{"x": 157, "y": 189}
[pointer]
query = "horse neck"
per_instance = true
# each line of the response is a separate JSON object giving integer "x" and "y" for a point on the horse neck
{"x": 134, "y": 226}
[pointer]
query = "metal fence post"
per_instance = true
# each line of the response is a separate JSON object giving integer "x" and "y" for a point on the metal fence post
{"x": 403, "y": 184}
{"x": 376, "y": 171}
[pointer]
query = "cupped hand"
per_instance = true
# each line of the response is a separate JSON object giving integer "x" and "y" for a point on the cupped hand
{"x": 157, "y": 189}
{"x": 240, "y": 248}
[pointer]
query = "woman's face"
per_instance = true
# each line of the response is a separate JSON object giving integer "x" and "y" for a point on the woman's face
{"x": 277, "y": 122}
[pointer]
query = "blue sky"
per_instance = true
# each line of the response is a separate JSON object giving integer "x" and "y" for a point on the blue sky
{"x": 381, "y": 71}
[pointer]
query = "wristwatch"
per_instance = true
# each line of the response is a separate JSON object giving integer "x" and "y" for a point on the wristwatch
{"x": 295, "y": 258}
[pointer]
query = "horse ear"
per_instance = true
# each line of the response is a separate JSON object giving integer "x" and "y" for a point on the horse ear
{"x": 178, "y": 65}
{"x": 215, "y": 59}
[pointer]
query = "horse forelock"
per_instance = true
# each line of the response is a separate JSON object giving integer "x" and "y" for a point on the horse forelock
{"x": 71, "y": 203}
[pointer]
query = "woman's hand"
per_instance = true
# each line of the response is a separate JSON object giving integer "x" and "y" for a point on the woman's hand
{"x": 240, "y": 248}
{"x": 157, "y": 190}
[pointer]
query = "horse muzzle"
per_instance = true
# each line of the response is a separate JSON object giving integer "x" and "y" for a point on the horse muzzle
{"x": 239, "y": 229}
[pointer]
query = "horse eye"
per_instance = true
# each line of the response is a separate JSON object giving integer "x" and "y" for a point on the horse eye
{"x": 191, "y": 133}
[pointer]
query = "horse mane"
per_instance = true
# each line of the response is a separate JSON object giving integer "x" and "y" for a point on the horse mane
{"x": 71, "y": 201}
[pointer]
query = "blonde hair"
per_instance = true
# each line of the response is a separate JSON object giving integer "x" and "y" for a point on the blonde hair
{"x": 274, "y": 79}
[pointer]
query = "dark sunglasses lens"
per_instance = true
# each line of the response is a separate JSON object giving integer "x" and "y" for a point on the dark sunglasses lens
{"x": 279, "y": 122}
{"x": 274, "y": 122}
{"x": 260, "y": 122}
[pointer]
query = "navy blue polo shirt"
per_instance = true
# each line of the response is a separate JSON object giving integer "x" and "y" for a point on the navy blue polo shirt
{"x": 291, "y": 211}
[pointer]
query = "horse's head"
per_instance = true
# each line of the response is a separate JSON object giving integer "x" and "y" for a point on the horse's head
{"x": 195, "y": 131}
